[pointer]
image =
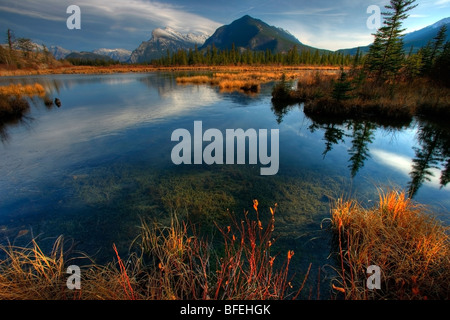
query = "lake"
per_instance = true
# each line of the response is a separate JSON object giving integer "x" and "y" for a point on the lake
{"x": 92, "y": 168}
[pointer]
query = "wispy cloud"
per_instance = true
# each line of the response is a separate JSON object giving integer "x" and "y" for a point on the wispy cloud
{"x": 131, "y": 13}
{"x": 419, "y": 16}
{"x": 324, "y": 12}
{"x": 443, "y": 3}
{"x": 32, "y": 13}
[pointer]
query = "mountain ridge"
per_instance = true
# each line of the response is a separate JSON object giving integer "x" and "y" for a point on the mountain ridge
{"x": 254, "y": 34}
{"x": 163, "y": 40}
{"x": 415, "y": 39}
{"x": 244, "y": 33}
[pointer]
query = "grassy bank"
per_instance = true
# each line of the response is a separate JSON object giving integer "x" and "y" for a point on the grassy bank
{"x": 175, "y": 262}
{"x": 66, "y": 68}
{"x": 349, "y": 94}
{"x": 244, "y": 80}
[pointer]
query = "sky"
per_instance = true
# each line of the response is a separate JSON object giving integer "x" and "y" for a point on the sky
{"x": 325, "y": 24}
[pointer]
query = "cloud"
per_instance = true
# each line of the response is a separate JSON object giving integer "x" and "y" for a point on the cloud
{"x": 128, "y": 14}
{"x": 403, "y": 164}
{"x": 443, "y": 3}
{"x": 32, "y": 13}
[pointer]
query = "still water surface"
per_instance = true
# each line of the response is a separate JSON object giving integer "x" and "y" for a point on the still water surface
{"x": 91, "y": 169}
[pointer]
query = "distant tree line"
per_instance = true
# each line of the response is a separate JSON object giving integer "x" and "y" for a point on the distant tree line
{"x": 92, "y": 62}
{"x": 235, "y": 56}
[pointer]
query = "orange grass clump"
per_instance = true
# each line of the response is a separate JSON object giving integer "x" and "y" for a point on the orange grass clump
{"x": 13, "y": 102}
{"x": 248, "y": 81}
{"x": 20, "y": 90}
{"x": 411, "y": 247}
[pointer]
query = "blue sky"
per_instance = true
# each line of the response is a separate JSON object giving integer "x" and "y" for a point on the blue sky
{"x": 327, "y": 24}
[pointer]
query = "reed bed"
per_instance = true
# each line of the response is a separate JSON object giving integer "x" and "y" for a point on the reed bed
{"x": 411, "y": 247}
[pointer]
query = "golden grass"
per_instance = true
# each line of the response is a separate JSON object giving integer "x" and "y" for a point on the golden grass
{"x": 29, "y": 274}
{"x": 241, "y": 79}
{"x": 169, "y": 262}
{"x": 402, "y": 100}
{"x": 13, "y": 101}
{"x": 411, "y": 247}
{"x": 20, "y": 90}
{"x": 70, "y": 69}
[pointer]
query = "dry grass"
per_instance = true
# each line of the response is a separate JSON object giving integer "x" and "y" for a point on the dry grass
{"x": 28, "y": 274}
{"x": 411, "y": 247}
{"x": 366, "y": 98}
{"x": 13, "y": 101}
{"x": 241, "y": 80}
{"x": 171, "y": 262}
{"x": 66, "y": 68}
{"x": 20, "y": 90}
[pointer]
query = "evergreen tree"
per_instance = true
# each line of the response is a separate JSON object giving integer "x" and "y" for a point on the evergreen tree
{"x": 342, "y": 88}
{"x": 433, "y": 49}
{"x": 386, "y": 54}
{"x": 441, "y": 68}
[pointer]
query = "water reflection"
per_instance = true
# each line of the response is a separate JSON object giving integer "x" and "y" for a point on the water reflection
{"x": 13, "y": 121}
{"x": 23, "y": 118}
{"x": 432, "y": 153}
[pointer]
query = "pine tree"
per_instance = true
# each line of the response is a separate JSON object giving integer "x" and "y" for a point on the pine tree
{"x": 441, "y": 68}
{"x": 432, "y": 50}
{"x": 386, "y": 54}
{"x": 342, "y": 87}
{"x": 439, "y": 42}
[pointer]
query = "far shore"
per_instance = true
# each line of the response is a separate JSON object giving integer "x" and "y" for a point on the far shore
{"x": 149, "y": 68}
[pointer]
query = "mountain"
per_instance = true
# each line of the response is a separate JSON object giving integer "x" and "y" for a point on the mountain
{"x": 87, "y": 56}
{"x": 254, "y": 34}
{"x": 416, "y": 39}
{"x": 163, "y": 40}
{"x": 420, "y": 38}
{"x": 59, "y": 52}
{"x": 121, "y": 55}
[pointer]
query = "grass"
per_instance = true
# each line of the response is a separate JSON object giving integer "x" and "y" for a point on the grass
{"x": 67, "y": 68}
{"x": 411, "y": 247}
{"x": 174, "y": 262}
{"x": 364, "y": 98}
{"x": 13, "y": 101}
{"x": 231, "y": 79}
{"x": 168, "y": 262}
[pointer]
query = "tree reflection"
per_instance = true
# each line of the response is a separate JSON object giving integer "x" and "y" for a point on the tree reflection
{"x": 335, "y": 132}
{"x": 362, "y": 137}
{"x": 433, "y": 153}
{"x": 281, "y": 108}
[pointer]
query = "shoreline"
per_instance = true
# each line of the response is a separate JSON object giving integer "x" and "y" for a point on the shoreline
{"x": 116, "y": 69}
